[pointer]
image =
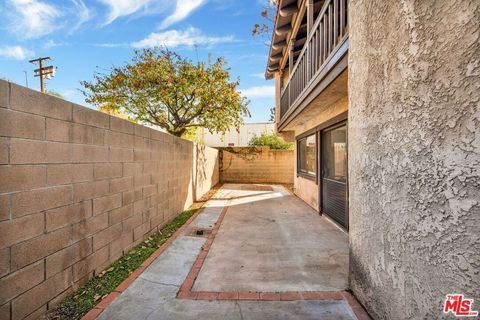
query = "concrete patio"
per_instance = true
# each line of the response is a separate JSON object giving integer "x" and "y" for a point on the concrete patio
{"x": 264, "y": 255}
{"x": 270, "y": 241}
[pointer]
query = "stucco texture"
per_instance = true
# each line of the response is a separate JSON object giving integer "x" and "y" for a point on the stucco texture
{"x": 414, "y": 155}
{"x": 325, "y": 107}
{"x": 307, "y": 190}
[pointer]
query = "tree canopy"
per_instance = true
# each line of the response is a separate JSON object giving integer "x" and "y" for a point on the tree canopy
{"x": 271, "y": 140}
{"x": 161, "y": 88}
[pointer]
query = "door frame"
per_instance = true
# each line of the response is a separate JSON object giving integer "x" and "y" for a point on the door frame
{"x": 340, "y": 118}
{"x": 320, "y": 173}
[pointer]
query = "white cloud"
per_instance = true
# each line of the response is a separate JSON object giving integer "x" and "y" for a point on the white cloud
{"x": 82, "y": 12}
{"x": 111, "y": 45}
{"x": 121, "y": 8}
{"x": 259, "y": 92}
{"x": 175, "y": 38}
{"x": 32, "y": 18}
{"x": 15, "y": 52}
{"x": 260, "y": 75}
{"x": 183, "y": 9}
{"x": 68, "y": 93}
{"x": 52, "y": 44}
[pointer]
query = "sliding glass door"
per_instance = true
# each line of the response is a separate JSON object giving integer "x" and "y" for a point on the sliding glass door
{"x": 334, "y": 173}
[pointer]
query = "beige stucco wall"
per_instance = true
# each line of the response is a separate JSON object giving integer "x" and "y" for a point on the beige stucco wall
{"x": 256, "y": 165}
{"x": 78, "y": 188}
{"x": 314, "y": 116}
{"x": 414, "y": 155}
{"x": 306, "y": 189}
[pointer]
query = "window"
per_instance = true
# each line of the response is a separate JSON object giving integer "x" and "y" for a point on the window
{"x": 334, "y": 154}
{"x": 307, "y": 155}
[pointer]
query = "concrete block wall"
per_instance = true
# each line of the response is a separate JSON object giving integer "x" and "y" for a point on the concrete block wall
{"x": 257, "y": 165}
{"x": 78, "y": 188}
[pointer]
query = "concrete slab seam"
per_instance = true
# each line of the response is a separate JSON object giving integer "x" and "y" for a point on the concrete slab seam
{"x": 186, "y": 292}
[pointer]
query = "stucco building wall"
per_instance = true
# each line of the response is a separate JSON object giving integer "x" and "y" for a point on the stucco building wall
{"x": 414, "y": 154}
{"x": 78, "y": 188}
{"x": 306, "y": 189}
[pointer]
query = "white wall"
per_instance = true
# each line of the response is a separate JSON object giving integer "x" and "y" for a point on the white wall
{"x": 233, "y": 138}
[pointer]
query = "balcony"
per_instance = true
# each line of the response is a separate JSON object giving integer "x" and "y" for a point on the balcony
{"x": 325, "y": 50}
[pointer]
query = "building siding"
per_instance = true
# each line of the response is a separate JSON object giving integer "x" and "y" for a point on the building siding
{"x": 414, "y": 155}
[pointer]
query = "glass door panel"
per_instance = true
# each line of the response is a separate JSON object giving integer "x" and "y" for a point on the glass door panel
{"x": 334, "y": 174}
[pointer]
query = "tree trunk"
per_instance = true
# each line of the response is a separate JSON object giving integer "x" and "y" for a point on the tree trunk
{"x": 177, "y": 132}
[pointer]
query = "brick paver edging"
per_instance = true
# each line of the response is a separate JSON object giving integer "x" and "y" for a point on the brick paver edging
{"x": 95, "y": 312}
{"x": 186, "y": 292}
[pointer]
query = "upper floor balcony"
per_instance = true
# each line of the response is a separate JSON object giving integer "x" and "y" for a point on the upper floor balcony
{"x": 305, "y": 71}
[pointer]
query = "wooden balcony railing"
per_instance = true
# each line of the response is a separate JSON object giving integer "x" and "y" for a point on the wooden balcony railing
{"x": 328, "y": 32}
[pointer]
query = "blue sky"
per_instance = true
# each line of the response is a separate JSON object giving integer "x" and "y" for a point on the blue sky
{"x": 84, "y": 36}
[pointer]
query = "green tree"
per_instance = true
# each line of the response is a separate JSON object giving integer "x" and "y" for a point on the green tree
{"x": 162, "y": 88}
{"x": 271, "y": 140}
{"x": 272, "y": 114}
{"x": 116, "y": 113}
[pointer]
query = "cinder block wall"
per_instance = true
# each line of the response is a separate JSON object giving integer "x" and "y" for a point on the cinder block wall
{"x": 256, "y": 165}
{"x": 414, "y": 155}
{"x": 78, "y": 188}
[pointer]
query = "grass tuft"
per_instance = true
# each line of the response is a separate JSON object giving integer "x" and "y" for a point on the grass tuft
{"x": 90, "y": 294}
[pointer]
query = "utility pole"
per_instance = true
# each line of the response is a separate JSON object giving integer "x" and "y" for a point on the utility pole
{"x": 196, "y": 51}
{"x": 42, "y": 72}
{"x": 26, "y": 78}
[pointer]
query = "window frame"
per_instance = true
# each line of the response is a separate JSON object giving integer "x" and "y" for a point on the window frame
{"x": 336, "y": 120}
{"x": 301, "y": 173}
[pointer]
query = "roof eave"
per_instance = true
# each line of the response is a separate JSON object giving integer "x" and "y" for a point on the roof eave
{"x": 269, "y": 74}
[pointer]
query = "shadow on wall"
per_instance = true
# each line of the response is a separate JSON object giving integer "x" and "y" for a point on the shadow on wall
{"x": 256, "y": 165}
{"x": 206, "y": 170}
{"x": 78, "y": 189}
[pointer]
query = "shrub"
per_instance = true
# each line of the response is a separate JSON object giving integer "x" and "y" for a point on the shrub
{"x": 271, "y": 140}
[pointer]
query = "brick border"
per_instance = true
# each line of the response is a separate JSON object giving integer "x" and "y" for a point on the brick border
{"x": 185, "y": 289}
{"x": 98, "y": 309}
{"x": 186, "y": 292}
